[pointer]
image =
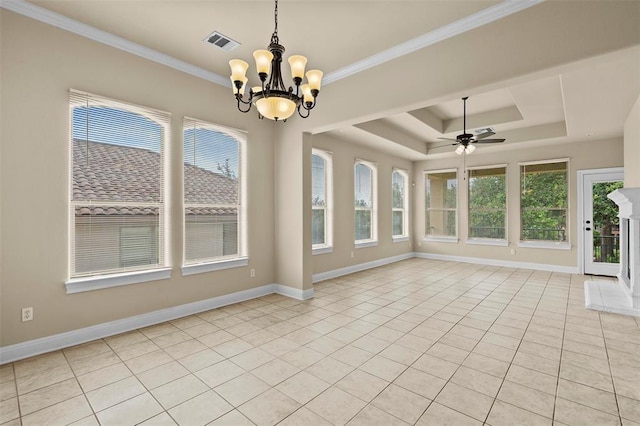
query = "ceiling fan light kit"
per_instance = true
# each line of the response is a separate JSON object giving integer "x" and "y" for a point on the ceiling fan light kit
{"x": 466, "y": 140}
{"x": 273, "y": 100}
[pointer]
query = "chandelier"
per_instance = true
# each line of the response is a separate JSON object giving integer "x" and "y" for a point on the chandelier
{"x": 465, "y": 147}
{"x": 273, "y": 100}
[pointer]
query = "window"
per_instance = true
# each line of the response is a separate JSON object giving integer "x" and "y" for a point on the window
{"x": 365, "y": 203}
{"x": 117, "y": 186}
{"x": 400, "y": 204}
{"x": 321, "y": 201}
{"x": 544, "y": 201}
{"x": 488, "y": 203}
{"x": 441, "y": 204}
{"x": 212, "y": 193}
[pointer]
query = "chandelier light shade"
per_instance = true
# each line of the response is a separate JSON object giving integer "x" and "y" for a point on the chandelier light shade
{"x": 466, "y": 149}
{"x": 272, "y": 98}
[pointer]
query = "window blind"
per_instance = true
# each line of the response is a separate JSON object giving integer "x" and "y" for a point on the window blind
{"x": 212, "y": 192}
{"x": 117, "y": 186}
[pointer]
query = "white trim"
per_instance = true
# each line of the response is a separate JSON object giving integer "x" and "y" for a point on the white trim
{"x": 321, "y": 276}
{"x": 400, "y": 239}
{"x": 294, "y": 293}
{"x": 365, "y": 243}
{"x": 97, "y": 282}
{"x": 428, "y": 239}
{"x": 487, "y": 242}
{"x": 545, "y": 245}
{"x": 75, "y": 337}
{"x": 322, "y": 250}
{"x": 468, "y": 23}
{"x": 496, "y": 262}
{"x": 551, "y": 160}
{"x": 60, "y": 21}
{"x": 495, "y": 166}
{"x": 199, "y": 268}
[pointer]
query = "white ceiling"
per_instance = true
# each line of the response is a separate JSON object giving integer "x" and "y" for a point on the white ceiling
{"x": 587, "y": 101}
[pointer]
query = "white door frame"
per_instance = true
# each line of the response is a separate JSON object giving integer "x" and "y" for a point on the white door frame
{"x": 580, "y": 225}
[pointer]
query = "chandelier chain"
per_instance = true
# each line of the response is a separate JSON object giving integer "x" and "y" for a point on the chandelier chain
{"x": 274, "y": 36}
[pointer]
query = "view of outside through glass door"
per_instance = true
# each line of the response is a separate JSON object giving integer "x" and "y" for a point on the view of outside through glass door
{"x": 601, "y": 224}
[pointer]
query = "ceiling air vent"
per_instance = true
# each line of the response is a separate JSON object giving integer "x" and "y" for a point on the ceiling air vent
{"x": 485, "y": 130}
{"x": 222, "y": 41}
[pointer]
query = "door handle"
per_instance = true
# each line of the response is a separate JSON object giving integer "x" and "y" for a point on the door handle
{"x": 587, "y": 229}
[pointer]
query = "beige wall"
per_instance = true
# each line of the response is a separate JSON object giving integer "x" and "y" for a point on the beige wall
{"x": 632, "y": 147}
{"x": 344, "y": 156}
{"x": 582, "y": 156}
{"x": 39, "y": 65}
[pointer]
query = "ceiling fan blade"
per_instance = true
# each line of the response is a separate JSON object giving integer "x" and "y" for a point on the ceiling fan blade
{"x": 442, "y": 146}
{"x": 490, "y": 141}
{"x": 449, "y": 139}
{"x": 484, "y": 135}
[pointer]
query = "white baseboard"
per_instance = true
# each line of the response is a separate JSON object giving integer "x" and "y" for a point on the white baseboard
{"x": 75, "y": 337}
{"x": 496, "y": 262}
{"x": 321, "y": 276}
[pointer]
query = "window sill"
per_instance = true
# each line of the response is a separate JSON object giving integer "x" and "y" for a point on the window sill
{"x": 366, "y": 243}
{"x": 97, "y": 282}
{"x": 488, "y": 242}
{"x": 322, "y": 250}
{"x": 545, "y": 245}
{"x": 201, "y": 268}
{"x": 453, "y": 240}
{"x": 400, "y": 239}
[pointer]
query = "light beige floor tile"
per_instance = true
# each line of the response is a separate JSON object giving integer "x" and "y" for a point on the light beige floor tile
{"x": 586, "y": 377}
{"x": 344, "y": 335}
{"x": 8, "y": 390}
{"x": 436, "y": 366}
{"x": 9, "y": 410}
{"x": 533, "y": 379}
{"x": 527, "y": 398}
{"x": 157, "y": 330}
{"x": 304, "y": 417}
{"x": 352, "y": 356}
{"x": 232, "y": 347}
{"x": 241, "y": 389}
{"x": 302, "y": 387}
{"x": 573, "y": 414}
{"x": 217, "y": 337}
{"x": 421, "y": 383}
{"x": 126, "y": 339}
{"x": 87, "y": 421}
{"x": 465, "y": 401}
{"x": 279, "y": 346}
{"x": 329, "y": 370}
{"x": 448, "y": 353}
{"x": 495, "y": 351}
{"x": 401, "y": 403}
{"x": 50, "y": 395}
{"x": 187, "y": 322}
{"x": 373, "y": 416}
{"x": 440, "y": 415}
{"x": 629, "y": 408}
{"x": 131, "y": 411}
{"x": 302, "y": 357}
{"x": 336, "y": 406}
{"x": 384, "y": 368}
{"x": 301, "y": 337}
{"x": 458, "y": 341}
{"x": 186, "y": 348}
{"x": 39, "y": 363}
{"x": 275, "y": 371}
{"x": 92, "y": 363}
{"x": 62, "y": 413}
{"x": 325, "y": 345}
{"x": 232, "y": 418}
{"x": 86, "y": 349}
{"x": 162, "y": 374}
{"x": 503, "y": 414}
{"x": 162, "y": 419}
{"x": 414, "y": 342}
{"x": 200, "y": 410}
{"x": 362, "y": 385}
{"x": 537, "y": 363}
{"x": 477, "y": 381}
{"x": 401, "y": 354}
{"x": 219, "y": 373}
{"x": 201, "y": 330}
{"x": 586, "y": 395}
{"x": 269, "y": 408}
{"x": 585, "y": 361}
{"x": 6, "y": 373}
{"x": 148, "y": 361}
{"x": 43, "y": 378}
{"x": 200, "y": 360}
{"x": 136, "y": 349}
{"x": 176, "y": 392}
{"x": 252, "y": 358}
{"x": 115, "y": 393}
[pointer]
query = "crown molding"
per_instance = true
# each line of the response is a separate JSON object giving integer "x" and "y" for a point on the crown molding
{"x": 486, "y": 16}
{"x": 60, "y": 21}
{"x": 468, "y": 23}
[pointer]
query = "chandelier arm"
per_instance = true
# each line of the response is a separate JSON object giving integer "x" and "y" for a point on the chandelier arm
{"x": 241, "y": 101}
{"x": 305, "y": 109}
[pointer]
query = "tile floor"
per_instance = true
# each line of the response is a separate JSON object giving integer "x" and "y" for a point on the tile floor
{"x": 417, "y": 342}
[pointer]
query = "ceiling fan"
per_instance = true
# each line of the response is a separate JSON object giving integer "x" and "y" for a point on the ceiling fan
{"x": 466, "y": 140}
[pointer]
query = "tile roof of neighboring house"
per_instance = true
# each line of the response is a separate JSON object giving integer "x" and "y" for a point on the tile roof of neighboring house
{"x": 119, "y": 173}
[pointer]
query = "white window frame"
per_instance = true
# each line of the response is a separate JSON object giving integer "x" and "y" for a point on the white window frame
{"x": 373, "y": 241}
{"x": 327, "y": 247}
{"x": 77, "y": 283}
{"x": 231, "y": 261}
{"x": 443, "y": 238}
{"x": 542, "y": 244}
{"x": 503, "y": 242}
{"x": 404, "y": 236}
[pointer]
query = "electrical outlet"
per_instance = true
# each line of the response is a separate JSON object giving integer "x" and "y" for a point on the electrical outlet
{"x": 27, "y": 314}
{"x": 513, "y": 251}
{"x": 352, "y": 255}
{"x": 253, "y": 273}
